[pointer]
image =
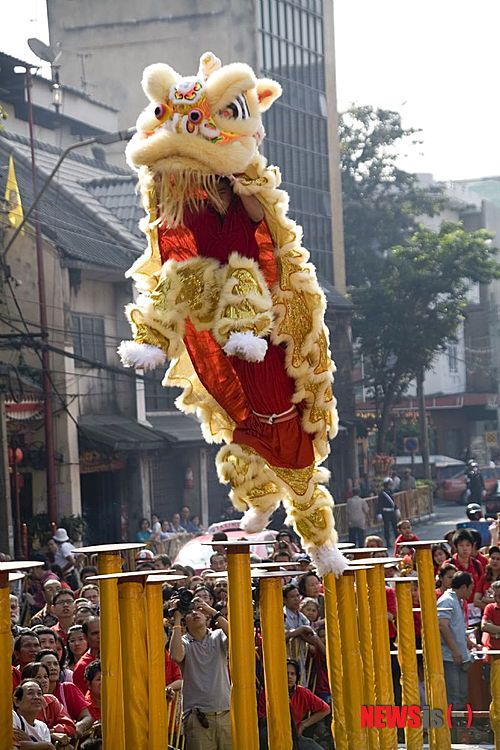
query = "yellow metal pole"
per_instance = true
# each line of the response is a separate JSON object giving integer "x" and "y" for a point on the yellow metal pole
{"x": 407, "y": 655}
{"x": 433, "y": 659}
{"x": 275, "y": 673}
{"x": 156, "y": 667}
{"x": 7, "y": 568}
{"x": 334, "y": 662}
{"x": 135, "y": 662}
{"x": 495, "y": 698}
{"x": 112, "y": 711}
{"x": 380, "y": 637}
{"x": 244, "y": 726}
{"x": 365, "y": 638}
{"x": 5, "y": 664}
{"x": 352, "y": 668}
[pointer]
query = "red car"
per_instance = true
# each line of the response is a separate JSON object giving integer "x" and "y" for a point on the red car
{"x": 453, "y": 489}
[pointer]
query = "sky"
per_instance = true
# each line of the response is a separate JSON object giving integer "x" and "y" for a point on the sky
{"x": 435, "y": 61}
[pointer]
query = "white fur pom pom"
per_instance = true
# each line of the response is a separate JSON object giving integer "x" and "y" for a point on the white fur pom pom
{"x": 245, "y": 345}
{"x": 142, "y": 356}
{"x": 254, "y": 521}
{"x": 328, "y": 560}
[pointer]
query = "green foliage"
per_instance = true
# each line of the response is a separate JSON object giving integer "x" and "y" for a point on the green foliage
{"x": 380, "y": 200}
{"x": 76, "y": 526}
{"x": 414, "y": 307}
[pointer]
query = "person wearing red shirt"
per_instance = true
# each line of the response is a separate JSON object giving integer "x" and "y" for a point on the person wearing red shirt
{"x": 491, "y": 619}
{"x": 70, "y": 696}
{"x": 483, "y": 594}
{"x": 302, "y": 703}
{"x": 463, "y": 559}
{"x": 404, "y": 538}
{"x": 91, "y": 631}
{"x": 62, "y": 728}
{"x": 16, "y": 678}
{"x": 26, "y": 647}
{"x": 63, "y": 607}
{"x": 93, "y": 694}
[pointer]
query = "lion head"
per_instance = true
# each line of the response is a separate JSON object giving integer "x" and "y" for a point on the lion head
{"x": 198, "y": 127}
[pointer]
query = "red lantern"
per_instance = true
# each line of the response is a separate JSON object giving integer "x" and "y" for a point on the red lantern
{"x": 19, "y": 455}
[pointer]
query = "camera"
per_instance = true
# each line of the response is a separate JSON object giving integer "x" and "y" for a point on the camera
{"x": 184, "y": 599}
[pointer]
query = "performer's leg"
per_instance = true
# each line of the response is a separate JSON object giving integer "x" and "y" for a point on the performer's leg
{"x": 253, "y": 484}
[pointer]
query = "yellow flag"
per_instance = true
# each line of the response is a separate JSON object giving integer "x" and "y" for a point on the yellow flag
{"x": 13, "y": 197}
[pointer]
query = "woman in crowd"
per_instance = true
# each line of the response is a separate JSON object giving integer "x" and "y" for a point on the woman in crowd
{"x": 310, "y": 586}
{"x": 77, "y": 644}
{"x": 29, "y": 732}
{"x": 310, "y": 608}
{"x": 444, "y": 576}
{"x": 62, "y": 727}
{"x": 72, "y": 699}
{"x": 440, "y": 554}
{"x": 483, "y": 593}
{"x": 144, "y": 533}
{"x": 372, "y": 540}
{"x": 93, "y": 696}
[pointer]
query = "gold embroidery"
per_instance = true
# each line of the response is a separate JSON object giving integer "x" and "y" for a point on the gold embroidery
{"x": 159, "y": 295}
{"x": 318, "y": 358}
{"x": 192, "y": 287}
{"x": 265, "y": 489}
{"x": 146, "y": 335}
{"x": 287, "y": 268}
{"x": 246, "y": 282}
{"x": 297, "y": 479}
{"x": 244, "y": 310}
{"x": 303, "y": 507}
{"x": 297, "y": 324}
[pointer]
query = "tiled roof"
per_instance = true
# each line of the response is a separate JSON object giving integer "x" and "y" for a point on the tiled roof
{"x": 81, "y": 226}
{"x": 119, "y": 195}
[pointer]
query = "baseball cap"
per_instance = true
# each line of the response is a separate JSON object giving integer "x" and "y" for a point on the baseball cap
{"x": 144, "y": 554}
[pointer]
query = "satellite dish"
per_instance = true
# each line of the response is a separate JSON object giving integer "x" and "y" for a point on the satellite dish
{"x": 44, "y": 51}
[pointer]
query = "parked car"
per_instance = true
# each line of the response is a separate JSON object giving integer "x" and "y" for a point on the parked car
{"x": 197, "y": 553}
{"x": 454, "y": 488}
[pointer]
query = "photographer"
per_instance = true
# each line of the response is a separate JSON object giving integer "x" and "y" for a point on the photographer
{"x": 202, "y": 656}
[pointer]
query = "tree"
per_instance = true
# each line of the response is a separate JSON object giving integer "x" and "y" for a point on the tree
{"x": 414, "y": 306}
{"x": 381, "y": 201}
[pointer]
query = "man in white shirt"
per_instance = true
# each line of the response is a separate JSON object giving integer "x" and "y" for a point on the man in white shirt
{"x": 357, "y": 516}
{"x": 28, "y": 702}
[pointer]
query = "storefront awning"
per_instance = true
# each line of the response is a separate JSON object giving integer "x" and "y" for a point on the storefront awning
{"x": 178, "y": 428}
{"x": 120, "y": 433}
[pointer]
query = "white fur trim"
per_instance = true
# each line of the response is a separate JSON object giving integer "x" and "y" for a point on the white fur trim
{"x": 254, "y": 521}
{"x": 328, "y": 560}
{"x": 143, "y": 356}
{"x": 245, "y": 345}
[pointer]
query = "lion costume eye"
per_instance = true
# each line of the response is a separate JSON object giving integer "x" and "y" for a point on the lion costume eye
{"x": 236, "y": 110}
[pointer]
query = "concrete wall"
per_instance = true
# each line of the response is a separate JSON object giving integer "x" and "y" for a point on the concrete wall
{"x": 119, "y": 38}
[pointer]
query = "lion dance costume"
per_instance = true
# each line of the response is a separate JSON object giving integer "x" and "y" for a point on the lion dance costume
{"x": 232, "y": 303}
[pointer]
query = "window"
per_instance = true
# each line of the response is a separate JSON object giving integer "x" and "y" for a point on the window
{"x": 88, "y": 336}
{"x": 452, "y": 358}
{"x": 159, "y": 398}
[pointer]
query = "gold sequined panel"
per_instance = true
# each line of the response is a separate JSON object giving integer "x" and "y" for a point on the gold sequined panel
{"x": 319, "y": 396}
{"x": 297, "y": 324}
{"x": 297, "y": 479}
{"x": 146, "y": 335}
{"x": 288, "y": 267}
{"x": 237, "y": 312}
{"x": 192, "y": 288}
{"x": 305, "y": 506}
{"x": 159, "y": 295}
{"x": 319, "y": 358}
{"x": 316, "y": 520}
{"x": 246, "y": 282}
{"x": 265, "y": 489}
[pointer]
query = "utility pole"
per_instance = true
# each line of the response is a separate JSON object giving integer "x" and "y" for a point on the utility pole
{"x": 45, "y": 357}
{"x": 422, "y": 418}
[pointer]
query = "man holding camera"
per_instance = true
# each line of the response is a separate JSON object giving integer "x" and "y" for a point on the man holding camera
{"x": 202, "y": 656}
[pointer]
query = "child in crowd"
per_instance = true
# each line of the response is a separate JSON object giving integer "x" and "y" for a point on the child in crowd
{"x": 405, "y": 535}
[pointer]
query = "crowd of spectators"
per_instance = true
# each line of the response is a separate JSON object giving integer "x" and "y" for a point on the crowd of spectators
{"x": 55, "y": 628}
